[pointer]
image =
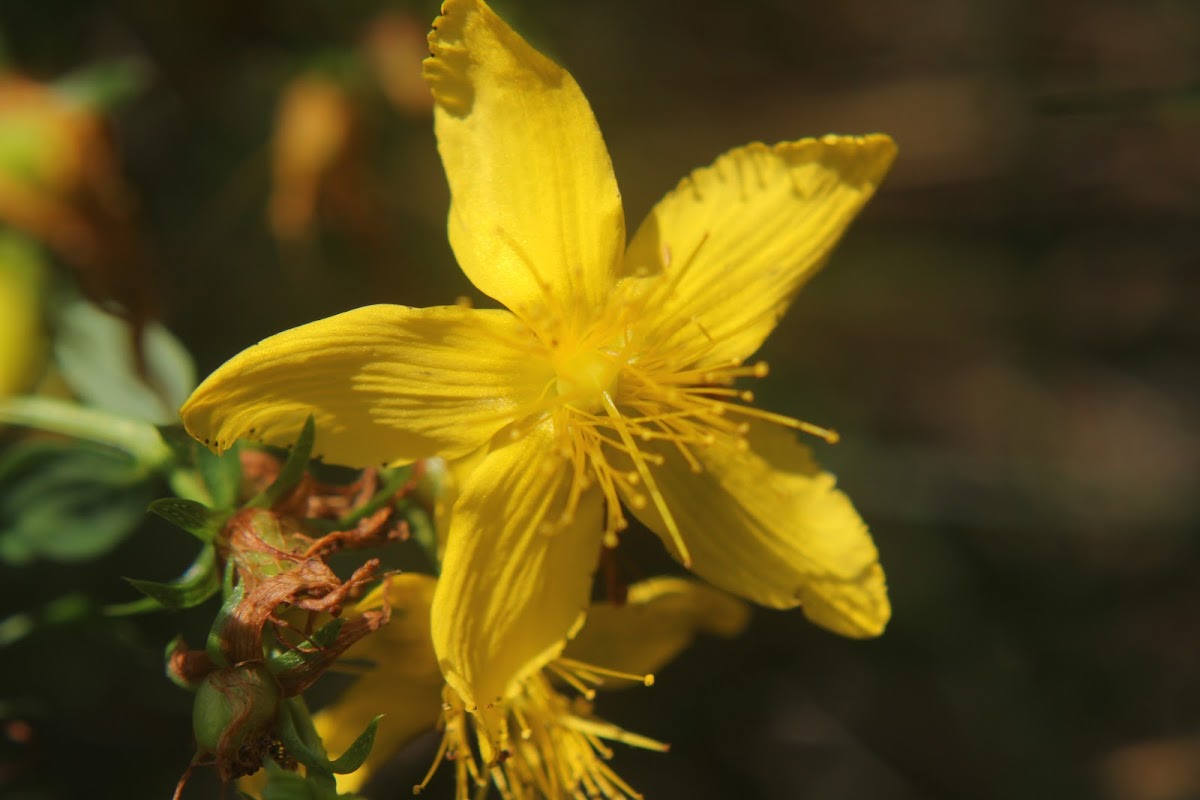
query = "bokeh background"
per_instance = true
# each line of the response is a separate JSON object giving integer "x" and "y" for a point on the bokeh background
{"x": 1006, "y": 340}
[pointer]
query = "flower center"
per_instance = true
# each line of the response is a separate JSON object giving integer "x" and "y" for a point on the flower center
{"x": 585, "y": 377}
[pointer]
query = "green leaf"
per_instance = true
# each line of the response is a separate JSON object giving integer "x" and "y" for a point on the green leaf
{"x": 195, "y": 518}
{"x": 94, "y": 351}
{"x": 140, "y": 440}
{"x": 284, "y": 785}
{"x": 192, "y": 588}
{"x": 143, "y": 605}
{"x": 179, "y": 441}
{"x": 67, "y": 501}
{"x": 358, "y": 750}
{"x": 292, "y": 470}
{"x": 299, "y": 738}
{"x": 200, "y": 474}
{"x": 222, "y": 474}
{"x": 289, "y": 659}
{"x": 216, "y": 637}
{"x": 423, "y": 532}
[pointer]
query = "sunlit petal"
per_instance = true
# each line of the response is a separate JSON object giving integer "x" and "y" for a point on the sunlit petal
{"x": 516, "y": 576}
{"x": 737, "y": 239}
{"x": 768, "y": 527}
{"x": 535, "y": 217}
{"x": 659, "y": 619}
{"x": 386, "y": 384}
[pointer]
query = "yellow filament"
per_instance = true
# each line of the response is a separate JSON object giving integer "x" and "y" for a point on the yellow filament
{"x": 829, "y": 436}
{"x": 574, "y": 682}
{"x": 443, "y": 746}
{"x": 581, "y": 668}
{"x": 660, "y": 502}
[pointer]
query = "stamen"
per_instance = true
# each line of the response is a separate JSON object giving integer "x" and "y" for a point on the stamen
{"x": 572, "y": 680}
{"x": 651, "y": 486}
{"x": 592, "y": 669}
{"x": 615, "y": 734}
{"x": 830, "y": 436}
{"x": 443, "y": 746}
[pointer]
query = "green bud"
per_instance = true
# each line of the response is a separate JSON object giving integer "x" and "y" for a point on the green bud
{"x": 234, "y": 717}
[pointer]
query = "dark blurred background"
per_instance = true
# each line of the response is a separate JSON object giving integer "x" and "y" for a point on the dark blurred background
{"x": 1007, "y": 342}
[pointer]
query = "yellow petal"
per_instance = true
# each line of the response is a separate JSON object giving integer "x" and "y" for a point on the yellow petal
{"x": 386, "y": 384}
{"x": 405, "y": 683}
{"x": 535, "y": 215}
{"x": 768, "y": 527}
{"x": 516, "y": 576}
{"x": 659, "y": 619}
{"x": 737, "y": 239}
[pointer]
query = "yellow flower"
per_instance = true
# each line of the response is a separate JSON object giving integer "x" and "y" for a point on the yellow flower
{"x": 607, "y": 382}
{"x": 541, "y": 740}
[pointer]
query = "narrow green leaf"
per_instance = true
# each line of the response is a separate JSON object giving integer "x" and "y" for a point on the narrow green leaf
{"x": 193, "y": 517}
{"x": 222, "y": 474}
{"x": 358, "y": 751}
{"x": 216, "y": 638}
{"x": 325, "y": 636}
{"x": 294, "y": 738}
{"x": 423, "y": 532}
{"x": 178, "y": 441}
{"x": 192, "y": 588}
{"x": 292, "y": 470}
{"x": 143, "y": 605}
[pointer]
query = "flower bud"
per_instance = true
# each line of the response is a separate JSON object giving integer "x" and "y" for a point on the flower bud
{"x": 234, "y": 717}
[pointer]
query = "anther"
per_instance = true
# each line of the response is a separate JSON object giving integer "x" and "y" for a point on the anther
{"x": 761, "y": 369}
